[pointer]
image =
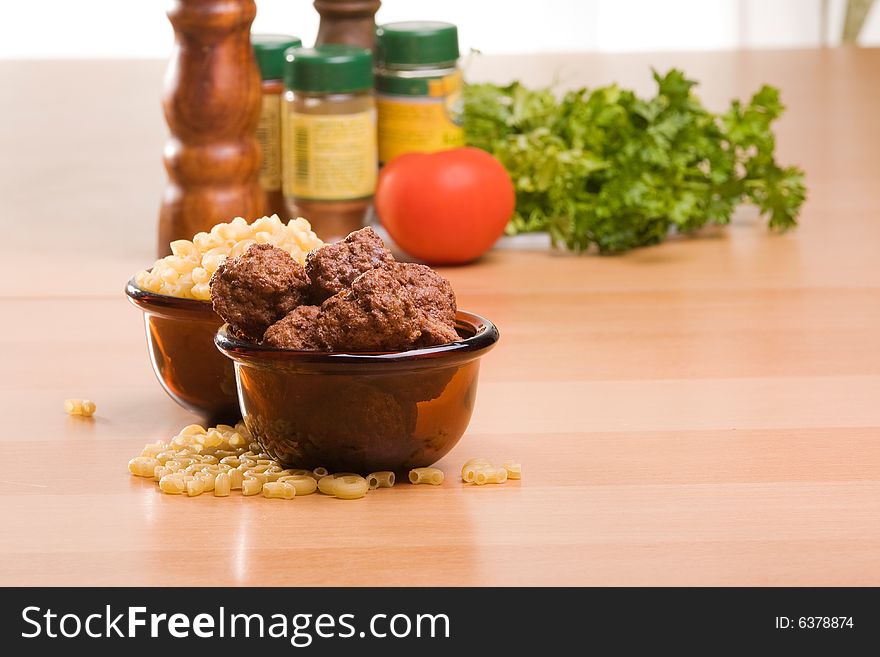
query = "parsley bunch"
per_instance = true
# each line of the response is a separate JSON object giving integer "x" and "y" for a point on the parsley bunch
{"x": 609, "y": 169}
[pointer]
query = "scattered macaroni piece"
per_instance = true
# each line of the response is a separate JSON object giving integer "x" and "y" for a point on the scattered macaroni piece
{"x": 490, "y": 475}
{"x": 304, "y": 484}
{"x": 327, "y": 484}
{"x": 160, "y": 471}
{"x": 236, "y": 479}
{"x": 153, "y": 449}
{"x": 172, "y": 484}
{"x": 433, "y": 476}
{"x": 262, "y": 477}
{"x": 320, "y": 472}
{"x": 193, "y": 430}
{"x": 514, "y": 469}
{"x": 350, "y": 487}
{"x": 82, "y": 407}
{"x": 383, "y": 479}
{"x": 194, "y": 487}
{"x": 251, "y": 487}
{"x": 187, "y": 272}
{"x": 344, "y": 485}
{"x": 222, "y": 484}
{"x": 207, "y": 478}
{"x": 481, "y": 471}
{"x": 469, "y": 469}
{"x": 279, "y": 490}
{"x": 143, "y": 466}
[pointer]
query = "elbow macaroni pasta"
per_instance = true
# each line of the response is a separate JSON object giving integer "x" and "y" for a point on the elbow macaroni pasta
{"x": 490, "y": 475}
{"x": 469, "y": 469}
{"x": 514, "y": 469}
{"x": 326, "y": 485}
{"x": 224, "y": 459}
{"x": 383, "y": 479}
{"x": 344, "y": 485}
{"x": 82, "y": 407}
{"x": 349, "y": 486}
{"x": 279, "y": 490}
{"x": 304, "y": 484}
{"x": 481, "y": 471}
{"x": 187, "y": 272}
{"x": 251, "y": 487}
{"x": 433, "y": 476}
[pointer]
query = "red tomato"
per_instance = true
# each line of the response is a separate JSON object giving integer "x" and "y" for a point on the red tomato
{"x": 447, "y": 207}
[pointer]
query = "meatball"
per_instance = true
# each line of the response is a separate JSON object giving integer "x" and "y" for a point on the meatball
{"x": 299, "y": 329}
{"x": 431, "y": 292}
{"x": 432, "y": 295}
{"x": 391, "y": 308}
{"x": 258, "y": 288}
{"x": 434, "y": 332}
{"x": 333, "y": 267}
{"x": 368, "y": 302}
{"x": 375, "y": 314}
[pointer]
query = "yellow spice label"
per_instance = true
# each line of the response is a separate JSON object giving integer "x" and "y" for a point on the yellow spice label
{"x": 330, "y": 157}
{"x": 409, "y": 124}
{"x": 269, "y": 137}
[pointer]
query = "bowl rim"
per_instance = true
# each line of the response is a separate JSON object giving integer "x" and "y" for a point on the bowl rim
{"x": 484, "y": 336}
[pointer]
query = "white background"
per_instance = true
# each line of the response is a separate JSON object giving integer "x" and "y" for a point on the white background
{"x": 139, "y": 28}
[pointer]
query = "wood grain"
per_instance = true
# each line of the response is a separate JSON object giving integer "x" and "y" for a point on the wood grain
{"x": 703, "y": 412}
{"x": 347, "y": 21}
{"x": 212, "y": 105}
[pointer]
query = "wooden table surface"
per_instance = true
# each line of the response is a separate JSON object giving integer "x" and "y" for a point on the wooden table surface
{"x": 702, "y": 412}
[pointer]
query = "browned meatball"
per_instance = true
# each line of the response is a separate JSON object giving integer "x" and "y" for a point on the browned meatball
{"x": 298, "y": 330}
{"x": 333, "y": 267}
{"x": 432, "y": 295}
{"x": 255, "y": 290}
{"x": 435, "y": 332}
{"x": 376, "y": 314}
{"x": 431, "y": 292}
{"x": 391, "y": 308}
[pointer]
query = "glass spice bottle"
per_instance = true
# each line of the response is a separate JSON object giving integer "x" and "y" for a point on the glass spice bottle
{"x": 329, "y": 153}
{"x": 269, "y": 50}
{"x": 418, "y": 88}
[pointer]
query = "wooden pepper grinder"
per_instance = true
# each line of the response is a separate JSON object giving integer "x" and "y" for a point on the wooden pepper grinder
{"x": 212, "y": 105}
{"x": 347, "y": 21}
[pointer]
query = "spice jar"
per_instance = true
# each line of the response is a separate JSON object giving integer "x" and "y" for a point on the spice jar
{"x": 329, "y": 154}
{"x": 418, "y": 88}
{"x": 269, "y": 50}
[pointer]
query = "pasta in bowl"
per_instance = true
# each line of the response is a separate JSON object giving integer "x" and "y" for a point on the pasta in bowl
{"x": 180, "y": 321}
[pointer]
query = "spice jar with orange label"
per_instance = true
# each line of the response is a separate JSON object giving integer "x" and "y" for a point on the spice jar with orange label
{"x": 329, "y": 137}
{"x": 418, "y": 87}
{"x": 269, "y": 50}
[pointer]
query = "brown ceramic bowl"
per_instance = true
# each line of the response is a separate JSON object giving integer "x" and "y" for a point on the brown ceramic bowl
{"x": 180, "y": 338}
{"x": 360, "y": 412}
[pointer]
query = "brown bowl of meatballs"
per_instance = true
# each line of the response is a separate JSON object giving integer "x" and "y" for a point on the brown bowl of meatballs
{"x": 353, "y": 362}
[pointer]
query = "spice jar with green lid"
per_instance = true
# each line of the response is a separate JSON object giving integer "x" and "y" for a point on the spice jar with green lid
{"x": 269, "y": 51}
{"x": 329, "y": 137}
{"x": 418, "y": 88}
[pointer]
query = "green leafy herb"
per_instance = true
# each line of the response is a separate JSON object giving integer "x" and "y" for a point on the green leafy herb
{"x": 609, "y": 169}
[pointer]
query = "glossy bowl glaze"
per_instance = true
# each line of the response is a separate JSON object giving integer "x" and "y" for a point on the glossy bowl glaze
{"x": 180, "y": 339}
{"x": 360, "y": 412}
